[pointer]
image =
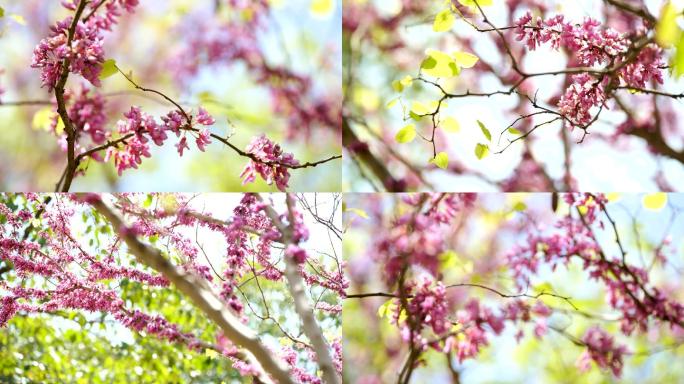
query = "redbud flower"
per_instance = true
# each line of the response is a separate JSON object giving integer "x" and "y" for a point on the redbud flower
{"x": 203, "y": 139}
{"x": 296, "y": 253}
{"x": 204, "y": 118}
{"x": 271, "y": 163}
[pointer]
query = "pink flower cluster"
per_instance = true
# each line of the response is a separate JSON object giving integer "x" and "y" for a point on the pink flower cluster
{"x": 269, "y": 161}
{"x": 591, "y": 43}
{"x": 477, "y": 321}
{"x": 601, "y": 348}
{"x": 585, "y": 93}
{"x": 296, "y": 253}
{"x": 427, "y": 307}
{"x": 140, "y": 128}
{"x": 84, "y": 53}
{"x": 417, "y": 239}
{"x": 628, "y": 288}
{"x": 87, "y": 113}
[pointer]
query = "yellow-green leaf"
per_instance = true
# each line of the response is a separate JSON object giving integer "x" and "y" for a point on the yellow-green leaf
{"x": 441, "y": 160}
{"x": 667, "y": 30}
{"x": 392, "y": 102}
{"x": 443, "y": 21}
{"x": 108, "y": 69}
{"x": 465, "y": 59}
{"x": 439, "y": 64}
{"x": 385, "y": 309}
{"x": 481, "y": 151}
{"x": 655, "y": 201}
{"x": 514, "y": 131}
{"x": 322, "y": 8}
{"x": 406, "y": 134}
{"x": 678, "y": 59}
{"x": 485, "y": 131}
{"x": 359, "y": 212}
{"x": 2, "y": 12}
{"x": 451, "y": 125}
{"x": 43, "y": 119}
{"x": 471, "y": 3}
{"x": 420, "y": 109}
{"x": 18, "y": 18}
{"x": 520, "y": 206}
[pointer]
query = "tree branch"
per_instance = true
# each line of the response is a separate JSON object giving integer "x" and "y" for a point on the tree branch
{"x": 302, "y": 305}
{"x": 255, "y": 353}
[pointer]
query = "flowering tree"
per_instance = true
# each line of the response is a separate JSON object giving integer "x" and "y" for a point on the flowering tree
{"x": 462, "y": 287}
{"x": 435, "y": 88}
{"x": 92, "y": 124}
{"x": 267, "y": 295}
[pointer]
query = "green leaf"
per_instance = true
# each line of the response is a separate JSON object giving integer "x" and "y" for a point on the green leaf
{"x": 514, "y": 131}
{"x": 443, "y": 21}
{"x": 485, "y": 131}
{"x": 108, "y": 69}
{"x": 441, "y": 160}
{"x": 392, "y": 103}
{"x": 385, "y": 309}
{"x": 451, "y": 125}
{"x": 481, "y": 151}
{"x": 439, "y": 64}
{"x": 359, "y": 212}
{"x": 655, "y": 201}
{"x": 415, "y": 116}
{"x": 18, "y": 18}
{"x": 420, "y": 109}
{"x": 471, "y": 3}
{"x": 43, "y": 118}
{"x": 520, "y": 206}
{"x": 667, "y": 30}
{"x": 465, "y": 59}
{"x": 396, "y": 85}
{"x": 406, "y": 134}
{"x": 678, "y": 59}
{"x": 2, "y": 12}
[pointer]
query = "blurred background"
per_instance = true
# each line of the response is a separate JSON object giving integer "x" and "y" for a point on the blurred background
{"x": 477, "y": 241}
{"x": 167, "y": 45}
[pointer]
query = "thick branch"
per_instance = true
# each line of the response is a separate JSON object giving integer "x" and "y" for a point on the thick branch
{"x": 61, "y": 104}
{"x": 302, "y": 305}
{"x": 353, "y": 144}
{"x": 205, "y": 298}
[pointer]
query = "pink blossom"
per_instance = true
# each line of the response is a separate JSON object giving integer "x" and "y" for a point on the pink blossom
{"x": 270, "y": 162}
{"x": 296, "y": 253}
{"x": 204, "y": 118}
{"x": 85, "y": 54}
{"x": 202, "y": 139}
{"x": 585, "y": 93}
{"x": 601, "y": 348}
{"x": 182, "y": 145}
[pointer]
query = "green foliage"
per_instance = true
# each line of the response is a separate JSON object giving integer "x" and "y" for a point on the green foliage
{"x": 481, "y": 151}
{"x": 441, "y": 160}
{"x": 444, "y": 21}
{"x": 439, "y": 64}
{"x": 108, "y": 69}
{"x": 485, "y": 131}
{"x": 406, "y": 134}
